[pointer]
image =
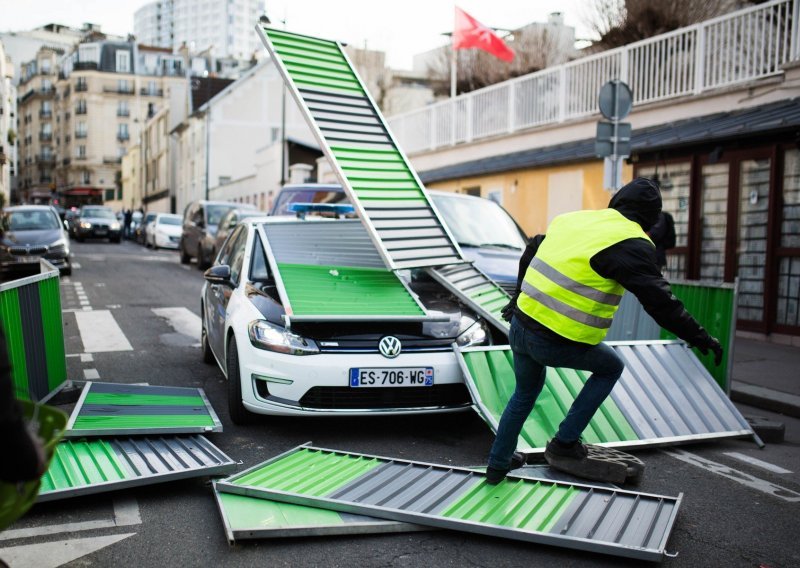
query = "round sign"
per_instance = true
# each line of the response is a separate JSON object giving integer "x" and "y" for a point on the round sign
{"x": 615, "y": 100}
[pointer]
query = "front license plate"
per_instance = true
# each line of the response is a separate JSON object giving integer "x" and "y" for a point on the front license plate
{"x": 392, "y": 377}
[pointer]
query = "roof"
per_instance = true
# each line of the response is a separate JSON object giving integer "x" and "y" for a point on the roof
{"x": 781, "y": 116}
{"x": 206, "y": 88}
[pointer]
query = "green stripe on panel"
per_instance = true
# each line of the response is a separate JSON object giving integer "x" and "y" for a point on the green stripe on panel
{"x": 143, "y": 399}
{"x": 515, "y": 503}
{"x": 75, "y": 464}
{"x": 249, "y": 512}
{"x": 130, "y": 421}
{"x": 278, "y": 35}
{"x": 12, "y": 327}
{"x": 310, "y": 472}
{"x": 52, "y": 324}
{"x": 336, "y": 290}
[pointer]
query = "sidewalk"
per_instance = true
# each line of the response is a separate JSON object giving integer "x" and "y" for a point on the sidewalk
{"x": 766, "y": 375}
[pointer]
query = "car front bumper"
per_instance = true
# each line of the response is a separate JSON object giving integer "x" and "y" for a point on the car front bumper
{"x": 280, "y": 384}
{"x": 96, "y": 232}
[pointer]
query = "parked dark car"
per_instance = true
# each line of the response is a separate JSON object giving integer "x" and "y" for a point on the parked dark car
{"x": 31, "y": 232}
{"x": 98, "y": 222}
{"x": 485, "y": 231}
{"x": 71, "y": 219}
{"x": 200, "y": 221}
{"x": 228, "y": 223}
{"x": 140, "y": 233}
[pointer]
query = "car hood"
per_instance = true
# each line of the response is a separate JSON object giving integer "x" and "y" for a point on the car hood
{"x": 43, "y": 237}
{"x": 499, "y": 264}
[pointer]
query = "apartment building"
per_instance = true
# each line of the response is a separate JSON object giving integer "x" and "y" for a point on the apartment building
{"x": 227, "y": 25}
{"x": 8, "y": 105}
{"x": 105, "y": 92}
{"x": 37, "y": 121}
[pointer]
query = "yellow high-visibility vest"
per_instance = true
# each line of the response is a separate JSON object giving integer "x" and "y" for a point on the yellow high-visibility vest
{"x": 561, "y": 290}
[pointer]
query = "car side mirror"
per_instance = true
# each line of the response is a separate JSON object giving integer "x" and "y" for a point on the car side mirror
{"x": 66, "y": 225}
{"x": 220, "y": 274}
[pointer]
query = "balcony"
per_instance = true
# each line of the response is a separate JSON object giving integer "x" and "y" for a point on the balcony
{"x": 112, "y": 160}
{"x": 81, "y": 87}
{"x": 45, "y": 136}
{"x": 42, "y": 92}
{"x": 80, "y": 158}
{"x": 123, "y": 136}
{"x": 119, "y": 90}
{"x": 123, "y": 112}
{"x": 80, "y": 110}
{"x": 81, "y": 135}
{"x": 46, "y": 159}
{"x": 85, "y": 66}
{"x": 152, "y": 92}
{"x": 45, "y": 114}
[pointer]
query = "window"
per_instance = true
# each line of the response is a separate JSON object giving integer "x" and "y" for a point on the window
{"x": 80, "y": 130}
{"x": 122, "y": 131}
{"x": 236, "y": 258}
{"x": 109, "y": 195}
{"x": 123, "y": 61}
{"x": 45, "y": 66}
{"x": 80, "y": 151}
{"x": 89, "y": 53}
{"x": 151, "y": 87}
{"x": 47, "y": 84}
{"x": 123, "y": 86}
{"x": 82, "y": 84}
{"x": 86, "y": 176}
{"x": 123, "y": 109}
{"x": 258, "y": 264}
{"x": 80, "y": 108}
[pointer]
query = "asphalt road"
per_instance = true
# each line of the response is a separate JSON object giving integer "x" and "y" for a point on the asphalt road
{"x": 744, "y": 515}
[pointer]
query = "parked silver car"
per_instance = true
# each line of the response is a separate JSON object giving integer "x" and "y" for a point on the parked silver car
{"x": 31, "y": 232}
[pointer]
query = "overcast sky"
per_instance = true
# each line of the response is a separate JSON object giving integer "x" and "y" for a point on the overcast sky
{"x": 401, "y": 29}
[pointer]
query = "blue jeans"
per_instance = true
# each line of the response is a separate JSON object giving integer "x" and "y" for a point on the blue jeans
{"x": 533, "y": 352}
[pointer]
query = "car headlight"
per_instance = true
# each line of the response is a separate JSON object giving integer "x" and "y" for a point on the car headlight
{"x": 265, "y": 335}
{"x": 475, "y": 334}
{"x": 86, "y": 225}
{"x": 58, "y": 246}
{"x": 115, "y": 226}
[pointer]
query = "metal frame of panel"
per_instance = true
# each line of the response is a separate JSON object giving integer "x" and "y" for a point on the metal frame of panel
{"x": 586, "y": 513}
{"x": 391, "y": 263}
{"x": 141, "y": 462}
{"x": 492, "y": 317}
{"x": 623, "y": 402}
{"x": 70, "y": 433}
{"x": 350, "y": 525}
{"x": 289, "y": 317}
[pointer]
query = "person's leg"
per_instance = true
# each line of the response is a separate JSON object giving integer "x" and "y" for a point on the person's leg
{"x": 529, "y": 381}
{"x": 606, "y": 367}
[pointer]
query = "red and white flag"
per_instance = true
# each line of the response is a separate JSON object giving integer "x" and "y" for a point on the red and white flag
{"x": 469, "y": 32}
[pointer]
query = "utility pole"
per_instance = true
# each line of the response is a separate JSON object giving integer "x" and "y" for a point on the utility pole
{"x": 208, "y": 126}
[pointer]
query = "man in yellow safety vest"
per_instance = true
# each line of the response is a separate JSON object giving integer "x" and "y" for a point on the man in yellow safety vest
{"x": 570, "y": 283}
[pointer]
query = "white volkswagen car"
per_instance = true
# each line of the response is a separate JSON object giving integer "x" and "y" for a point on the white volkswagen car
{"x": 277, "y": 363}
{"x": 164, "y": 231}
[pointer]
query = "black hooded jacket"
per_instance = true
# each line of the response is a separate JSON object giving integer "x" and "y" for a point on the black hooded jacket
{"x": 633, "y": 264}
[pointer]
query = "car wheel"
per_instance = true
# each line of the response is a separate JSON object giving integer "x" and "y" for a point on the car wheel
{"x": 66, "y": 271}
{"x": 185, "y": 258}
{"x": 202, "y": 264}
{"x": 239, "y": 414}
{"x": 208, "y": 356}
{"x": 116, "y": 240}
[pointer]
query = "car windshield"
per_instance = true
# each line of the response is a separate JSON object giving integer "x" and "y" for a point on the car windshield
{"x": 215, "y": 212}
{"x": 98, "y": 213}
{"x": 169, "y": 220}
{"x": 479, "y": 222}
{"x": 32, "y": 221}
{"x": 286, "y": 198}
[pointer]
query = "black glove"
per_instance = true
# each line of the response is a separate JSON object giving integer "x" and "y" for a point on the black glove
{"x": 714, "y": 345}
{"x": 508, "y": 310}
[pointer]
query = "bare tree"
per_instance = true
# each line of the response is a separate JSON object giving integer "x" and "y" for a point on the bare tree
{"x": 534, "y": 47}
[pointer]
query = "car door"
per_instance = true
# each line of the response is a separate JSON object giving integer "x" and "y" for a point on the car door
{"x": 218, "y": 295}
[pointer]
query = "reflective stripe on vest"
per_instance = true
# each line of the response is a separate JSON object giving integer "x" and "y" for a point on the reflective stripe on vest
{"x": 561, "y": 290}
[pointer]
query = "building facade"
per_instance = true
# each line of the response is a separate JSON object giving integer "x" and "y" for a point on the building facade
{"x": 227, "y": 25}
{"x": 8, "y": 132}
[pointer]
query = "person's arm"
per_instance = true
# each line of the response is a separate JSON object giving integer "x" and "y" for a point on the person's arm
{"x": 524, "y": 262}
{"x": 632, "y": 263}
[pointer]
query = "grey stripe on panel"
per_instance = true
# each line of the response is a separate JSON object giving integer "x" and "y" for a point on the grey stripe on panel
{"x": 30, "y": 311}
{"x": 565, "y": 309}
{"x": 565, "y": 281}
{"x": 118, "y": 388}
{"x": 342, "y": 243}
{"x": 146, "y": 410}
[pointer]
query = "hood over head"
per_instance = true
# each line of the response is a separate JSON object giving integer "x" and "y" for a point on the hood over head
{"x": 639, "y": 201}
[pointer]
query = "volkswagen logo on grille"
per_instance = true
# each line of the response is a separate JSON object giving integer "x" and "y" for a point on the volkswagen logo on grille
{"x": 390, "y": 347}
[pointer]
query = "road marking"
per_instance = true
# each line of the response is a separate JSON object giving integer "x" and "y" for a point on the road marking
{"x": 182, "y": 320}
{"x": 739, "y": 477}
{"x": 756, "y": 462}
{"x": 100, "y": 332}
{"x": 86, "y": 358}
{"x": 57, "y": 553}
{"x": 90, "y": 374}
{"x": 76, "y": 265}
{"x": 126, "y": 512}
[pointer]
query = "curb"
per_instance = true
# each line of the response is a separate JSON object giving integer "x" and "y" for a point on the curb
{"x": 767, "y": 399}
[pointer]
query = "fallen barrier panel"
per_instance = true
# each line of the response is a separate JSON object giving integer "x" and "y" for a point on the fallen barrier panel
{"x": 30, "y": 312}
{"x": 582, "y": 517}
{"x": 82, "y": 467}
{"x": 665, "y": 396}
{"x": 118, "y": 409}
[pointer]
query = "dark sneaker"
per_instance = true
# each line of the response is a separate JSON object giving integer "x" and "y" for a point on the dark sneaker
{"x": 575, "y": 450}
{"x": 495, "y": 475}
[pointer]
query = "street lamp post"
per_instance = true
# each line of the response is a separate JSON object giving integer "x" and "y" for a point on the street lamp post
{"x": 208, "y": 127}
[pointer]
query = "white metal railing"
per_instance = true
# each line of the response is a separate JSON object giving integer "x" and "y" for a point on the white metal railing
{"x": 739, "y": 47}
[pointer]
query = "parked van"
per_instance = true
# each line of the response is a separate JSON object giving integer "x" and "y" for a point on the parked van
{"x": 200, "y": 221}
